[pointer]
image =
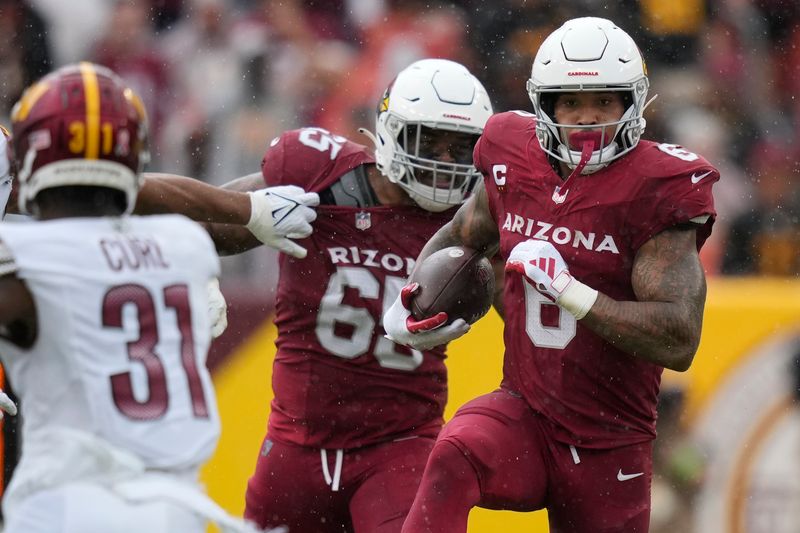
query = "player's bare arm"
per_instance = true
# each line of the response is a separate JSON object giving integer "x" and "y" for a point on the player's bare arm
{"x": 471, "y": 226}
{"x": 664, "y": 325}
{"x": 233, "y": 238}
{"x": 250, "y": 182}
{"x": 240, "y": 215}
{"x": 170, "y": 193}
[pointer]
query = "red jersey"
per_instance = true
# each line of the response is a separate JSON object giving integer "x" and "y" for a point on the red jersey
{"x": 338, "y": 382}
{"x": 594, "y": 394}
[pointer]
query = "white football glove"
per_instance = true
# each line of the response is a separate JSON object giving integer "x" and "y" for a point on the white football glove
{"x": 217, "y": 309}
{"x": 7, "y": 405}
{"x": 543, "y": 266}
{"x": 279, "y": 214}
{"x": 423, "y": 334}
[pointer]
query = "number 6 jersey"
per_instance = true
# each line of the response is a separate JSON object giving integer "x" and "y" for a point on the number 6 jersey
{"x": 596, "y": 395}
{"x": 338, "y": 382}
{"x": 123, "y": 335}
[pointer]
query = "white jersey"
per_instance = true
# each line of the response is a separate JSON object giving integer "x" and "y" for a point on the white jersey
{"x": 5, "y": 193}
{"x": 123, "y": 335}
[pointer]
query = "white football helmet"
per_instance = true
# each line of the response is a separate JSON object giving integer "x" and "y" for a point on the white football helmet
{"x": 588, "y": 54}
{"x": 431, "y": 94}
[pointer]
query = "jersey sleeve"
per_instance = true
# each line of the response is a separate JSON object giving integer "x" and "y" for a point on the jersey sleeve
{"x": 501, "y": 131}
{"x": 198, "y": 246}
{"x": 209, "y": 250}
{"x": 680, "y": 198}
{"x": 310, "y": 158}
{"x": 491, "y": 196}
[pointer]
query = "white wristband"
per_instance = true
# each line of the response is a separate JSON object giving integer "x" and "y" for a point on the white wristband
{"x": 577, "y": 298}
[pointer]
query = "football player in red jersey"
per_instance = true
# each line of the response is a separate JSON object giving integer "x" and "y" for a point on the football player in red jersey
{"x": 354, "y": 415}
{"x": 604, "y": 288}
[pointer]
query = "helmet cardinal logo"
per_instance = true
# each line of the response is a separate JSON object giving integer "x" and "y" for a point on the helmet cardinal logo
{"x": 383, "y": 105}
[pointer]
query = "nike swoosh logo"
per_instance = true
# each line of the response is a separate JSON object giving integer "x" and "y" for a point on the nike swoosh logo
{"x": 281, "y": 213}
{"x": 696, "y": 178}
{"x": 626, "y": 477}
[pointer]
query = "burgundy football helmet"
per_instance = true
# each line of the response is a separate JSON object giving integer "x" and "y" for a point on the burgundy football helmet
{"x": 79, "y": 125}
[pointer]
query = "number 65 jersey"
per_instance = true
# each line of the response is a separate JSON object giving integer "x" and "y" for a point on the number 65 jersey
{"x": 338, "y": 382}
{"x": 123, "y": 334}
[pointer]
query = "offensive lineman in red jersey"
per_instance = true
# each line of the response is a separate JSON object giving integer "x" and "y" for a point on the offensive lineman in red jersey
{"x": 354, "y": 415}
{"x": 600, "y": 232}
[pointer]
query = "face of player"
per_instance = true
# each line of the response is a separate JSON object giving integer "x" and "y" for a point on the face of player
{"x": 446, "y": 147}
{"x": 588, "y": 109}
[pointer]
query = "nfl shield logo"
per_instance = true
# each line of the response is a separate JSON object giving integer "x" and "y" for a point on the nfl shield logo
{"x": 559, "y": 198}
{"x": 363, "y": 221}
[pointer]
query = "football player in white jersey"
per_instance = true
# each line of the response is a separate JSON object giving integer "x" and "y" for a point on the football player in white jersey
{"x": 104, "y": 324}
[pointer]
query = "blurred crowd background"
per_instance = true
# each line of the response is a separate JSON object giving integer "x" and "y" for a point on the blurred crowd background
{"x": 221, "y": 78}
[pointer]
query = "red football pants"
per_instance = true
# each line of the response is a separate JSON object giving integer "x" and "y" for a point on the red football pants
{"x": 364, "y": 490}
{"x": 498, "y": 453}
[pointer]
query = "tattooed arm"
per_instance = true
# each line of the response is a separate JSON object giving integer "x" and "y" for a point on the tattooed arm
{"x": 664, "y": 325}
{"x": 471, "y": 226}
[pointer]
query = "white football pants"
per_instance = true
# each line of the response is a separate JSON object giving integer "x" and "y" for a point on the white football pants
{"x": 91, "y": 508}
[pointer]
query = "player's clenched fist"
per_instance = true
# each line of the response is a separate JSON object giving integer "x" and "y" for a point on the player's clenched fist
{"x": 402, "y": 328}
{"x": 280, "y": 214}
{"x": 543, "y": 266}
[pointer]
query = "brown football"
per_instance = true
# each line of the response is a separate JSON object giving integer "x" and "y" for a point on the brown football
{"x": 457, "y": 280}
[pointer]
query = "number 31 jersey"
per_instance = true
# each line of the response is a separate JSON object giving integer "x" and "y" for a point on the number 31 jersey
{"x": 338, "y": 382}
{"x": 596, "y": 395}
{"x": 123, "y": 334}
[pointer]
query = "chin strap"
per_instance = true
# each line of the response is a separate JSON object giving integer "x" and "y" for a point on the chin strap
{"x": 364, "y": 131}
{"x": 586, "y": 154}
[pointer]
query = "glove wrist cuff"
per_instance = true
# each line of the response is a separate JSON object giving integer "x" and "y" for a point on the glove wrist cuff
{"x": 577, "y": 298}
{"x": 259, "y": 205}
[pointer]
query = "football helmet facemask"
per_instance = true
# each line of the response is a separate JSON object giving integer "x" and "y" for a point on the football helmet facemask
{"x": 432, "y": 106}
{"x": 588, "y": 54}
{"x": 79, "y": 125}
